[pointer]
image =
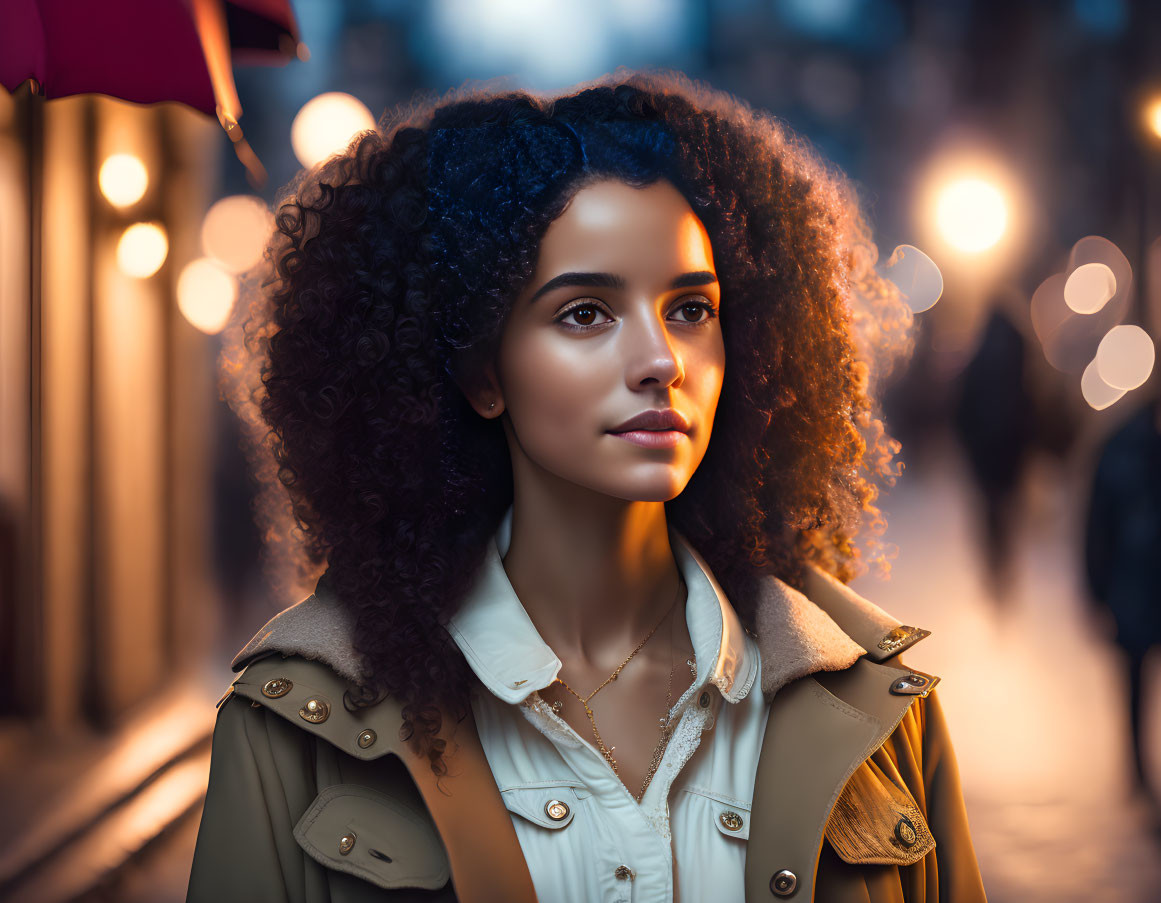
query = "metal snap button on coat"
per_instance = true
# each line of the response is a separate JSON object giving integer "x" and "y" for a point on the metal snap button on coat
{"x": 913, "y": 685}
{"x": 703, "y": 700}
{"x": 367, "y": 738}
{"x": 347, "y": 843}
{"x": 556, "y": 810}
{"x": 316, "y": 711}
{"x": 731, "y": 821}
{"x": 784, "y": 882}
{"x": 905, "y": 832}
{"x": 623, "y": 872}
{"x": 278, "y": 686}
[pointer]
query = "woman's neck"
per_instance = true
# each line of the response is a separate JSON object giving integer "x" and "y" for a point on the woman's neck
{"x": 594, "y": 573}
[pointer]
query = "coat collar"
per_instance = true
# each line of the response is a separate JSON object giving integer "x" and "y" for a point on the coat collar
{"x": 826, "y": 628}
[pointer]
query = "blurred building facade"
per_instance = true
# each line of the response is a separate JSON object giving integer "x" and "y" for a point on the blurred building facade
{"x": 106, "y": 403}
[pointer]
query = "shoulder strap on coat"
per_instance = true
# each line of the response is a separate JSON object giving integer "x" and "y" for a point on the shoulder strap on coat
{"x": 862, "y": 620}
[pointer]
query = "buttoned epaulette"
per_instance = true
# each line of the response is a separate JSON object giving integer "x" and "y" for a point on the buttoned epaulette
{"x": 879, "y": 633}
{"x": 895, "y": 641}
{"x": 310, "y": 695}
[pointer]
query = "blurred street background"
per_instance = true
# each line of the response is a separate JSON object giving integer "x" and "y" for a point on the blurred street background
{"x": 1009, "y": 159}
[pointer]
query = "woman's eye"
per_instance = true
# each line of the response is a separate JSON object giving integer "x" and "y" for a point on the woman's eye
{"x": 583, "y": 316}
{"x": 691, "y": 311}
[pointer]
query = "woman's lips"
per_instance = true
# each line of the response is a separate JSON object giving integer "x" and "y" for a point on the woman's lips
{"x": 653, "y": 438}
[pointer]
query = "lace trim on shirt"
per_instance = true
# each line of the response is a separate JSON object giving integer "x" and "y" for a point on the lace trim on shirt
{"x": 682, "y": 745}
{"x": 538, "y": 712}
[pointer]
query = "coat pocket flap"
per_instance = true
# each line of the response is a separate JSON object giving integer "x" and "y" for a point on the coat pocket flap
{"x": 548, "y": 805}
{"x": 355, "y": 829}
{"x": 876, "y": 821}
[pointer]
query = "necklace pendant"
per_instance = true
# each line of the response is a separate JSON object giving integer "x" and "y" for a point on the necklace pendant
{"x": 556, "y": 707}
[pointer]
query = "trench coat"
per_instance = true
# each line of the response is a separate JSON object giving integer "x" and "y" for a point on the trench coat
{"x": 857, "y": 793}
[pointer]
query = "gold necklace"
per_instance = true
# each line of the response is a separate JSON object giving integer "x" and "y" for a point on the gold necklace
{"x": 607, "y": 752}
{"x": 665, "y": 722}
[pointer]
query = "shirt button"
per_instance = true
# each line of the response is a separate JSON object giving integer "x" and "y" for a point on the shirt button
{"x": 731, "y": 821}
{"x": 703, "y": 700}
{"x": 556, "y": 810}
{"x": 623, "y": 872}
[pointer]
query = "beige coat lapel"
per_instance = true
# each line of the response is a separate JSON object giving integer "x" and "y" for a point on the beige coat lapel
{"x": 815, "y": 739}
{"x": 833, "y": 706}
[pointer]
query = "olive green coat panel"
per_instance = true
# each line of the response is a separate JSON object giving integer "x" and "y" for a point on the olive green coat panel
{"x": 263, "y": 781}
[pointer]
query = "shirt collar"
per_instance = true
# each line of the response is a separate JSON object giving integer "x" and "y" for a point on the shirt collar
{"x": 506, "y": 651}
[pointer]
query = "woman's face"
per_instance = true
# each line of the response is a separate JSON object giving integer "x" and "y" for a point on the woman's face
{"x": 620, "y": 319}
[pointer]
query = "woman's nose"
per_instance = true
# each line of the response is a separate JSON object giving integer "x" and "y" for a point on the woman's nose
{"x": 651, "y": 355}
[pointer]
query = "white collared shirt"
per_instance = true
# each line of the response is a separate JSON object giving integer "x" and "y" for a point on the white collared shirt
{"x": 686, "y": 840}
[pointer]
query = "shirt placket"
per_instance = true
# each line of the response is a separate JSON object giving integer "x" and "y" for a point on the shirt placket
{"x": 643, "y": 868}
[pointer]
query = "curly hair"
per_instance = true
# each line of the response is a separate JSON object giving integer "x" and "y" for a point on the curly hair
{"x": 391, "y": 270}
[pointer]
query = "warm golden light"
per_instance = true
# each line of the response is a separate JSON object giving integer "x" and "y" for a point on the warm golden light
{"x": 206, "y": 295}
{"x": 1089, "y": 287}
{"x": 142, "y": 249}
{"x": 235, "y": 231}
{"x": 1125, "y": 357}
{"x": 123, "y": 179}
{"x": 971, "y": 214}
{"x": 326, "y": 125}
{"x": 1153, "y": 116}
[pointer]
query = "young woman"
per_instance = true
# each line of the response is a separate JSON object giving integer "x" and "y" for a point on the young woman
{"x": 572, "y": 396}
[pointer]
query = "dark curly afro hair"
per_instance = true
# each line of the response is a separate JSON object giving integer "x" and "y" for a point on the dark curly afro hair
{"x": 391, "y": 270}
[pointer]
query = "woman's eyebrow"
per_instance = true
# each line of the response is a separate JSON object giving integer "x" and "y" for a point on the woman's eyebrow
{"x": 611, "y": 280}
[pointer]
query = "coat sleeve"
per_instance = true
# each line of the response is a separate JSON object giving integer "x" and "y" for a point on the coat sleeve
{"x": 958, "y": 872}
{"x": 245, "y": 846}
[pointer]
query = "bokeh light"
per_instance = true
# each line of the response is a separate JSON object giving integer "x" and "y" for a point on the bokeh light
{"x": 235, "y": 232}
{"x": 1153, "y": 116}
{"x": 206, "y": 295}
{"x": 971, "y": 214}
{"x": 1070, "y": 328}
{"x": 1125, "y": 357}
{"x": 1098, "y": 249}
{"x": 1095, "y": 390}
{"x": 326, "y": 124}
{"x": 142, "y": 249}
{"x": 123, "y": 179}
{"x": 916, "y": 276}
{"x": 1089, "y": 287}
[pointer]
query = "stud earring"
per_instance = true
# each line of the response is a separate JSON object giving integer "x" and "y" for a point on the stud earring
{"x": 492, "y": 405}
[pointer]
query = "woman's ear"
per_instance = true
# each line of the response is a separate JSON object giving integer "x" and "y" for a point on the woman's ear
{"x": 477, "y": 380}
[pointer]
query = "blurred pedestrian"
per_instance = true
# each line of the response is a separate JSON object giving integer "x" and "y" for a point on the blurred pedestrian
{"x": 994, "y": 420}
{"x": 1122, "y": 552}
